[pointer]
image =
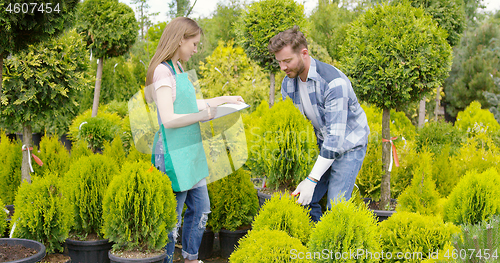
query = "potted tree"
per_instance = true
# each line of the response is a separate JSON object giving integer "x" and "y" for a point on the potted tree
{"x": 234, "y": 203}
{"x": 87, "y": 181}
{"x": 43, "y": 214}
{"x": 282, "y": 147}
{"x": 138, "y": 213}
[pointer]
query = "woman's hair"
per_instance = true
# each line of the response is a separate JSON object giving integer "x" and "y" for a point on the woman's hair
{"x": 292, "y": 37}
{"x": 178, "y": 29}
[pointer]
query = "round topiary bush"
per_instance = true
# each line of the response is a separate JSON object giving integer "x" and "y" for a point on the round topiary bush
{"x": 233, "y": 201}
{"x": 475, "y": 198}
{"x": 87, "y": 181}
{"x": 43, "y": 212}
{"x": 269, "y": 246}
{"x": 345, "y": 228}
{"x": 283, "y": 213}
{"x": 413, "y": 236}
{"x": 139, "y": 208}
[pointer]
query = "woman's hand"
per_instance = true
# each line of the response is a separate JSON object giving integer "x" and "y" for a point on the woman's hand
{"x": 209, "y": 113}
{"x": 234, "y": 99}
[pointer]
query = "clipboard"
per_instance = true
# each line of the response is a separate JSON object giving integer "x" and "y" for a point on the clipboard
{"x": 228, "y": 108}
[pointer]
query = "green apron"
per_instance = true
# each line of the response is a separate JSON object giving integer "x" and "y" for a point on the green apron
{"x": 183, "y": 153}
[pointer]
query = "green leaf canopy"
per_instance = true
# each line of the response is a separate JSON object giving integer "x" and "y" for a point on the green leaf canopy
{"x": 109, "y": 27}
{"x": 263, "y": 20}
{"x": 42, "y": 82}
{"x": 395, "y": 55}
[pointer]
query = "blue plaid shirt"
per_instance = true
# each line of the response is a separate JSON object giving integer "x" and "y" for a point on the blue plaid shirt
{"x": 342, "y": 121}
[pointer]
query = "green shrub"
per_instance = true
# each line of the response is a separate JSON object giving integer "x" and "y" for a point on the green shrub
{"x": 80, "y": 149}
{"x": 43, "y": 212}
{"x": 115, "y": 150}
{"x": 3, "y": 218}
{"x": 269, "y": 246}
{"x": 421, "y": 196}
{"x": 283, "y": 146}
{"x": 134, "y": 155}
{"x": 118, "y": 107}
{"x": 478, "y": 154}
{"x": 139, "y": 208}
{"x": 54, "y": 155}
{"x": 87, "y": 181}
{"x": 414, "y": 234}
{"x": 484, "y": 236}
{"x": 11, "y": 158}
{"x": 97, "y": 129}
{"x": 475, "y": 120}
{"x": 475, "y": 198}
{"x": 233, "y": 201}
{"x": 437, "y": 135}
{"x": 444, "y": 176}
{"x": 345, "y": 228}
{"x": 283, "y": 213}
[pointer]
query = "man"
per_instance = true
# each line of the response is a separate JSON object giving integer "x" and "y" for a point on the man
{"x": 325, "y": 96}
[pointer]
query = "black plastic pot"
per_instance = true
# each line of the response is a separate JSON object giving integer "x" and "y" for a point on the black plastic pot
{"x": 26, "y": 243}
{"x": 262, "y": 197}
{"x": 157, "y": 259}
{"x": 88, "y": 251}
{"x": 380, "y": 214}
{"x": 207, "y": 245}
{"x": 66, "y": 142}
{"x": 229, "y": 240}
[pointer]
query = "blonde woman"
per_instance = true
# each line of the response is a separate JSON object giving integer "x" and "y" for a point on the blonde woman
{"x": 178, "y": 150}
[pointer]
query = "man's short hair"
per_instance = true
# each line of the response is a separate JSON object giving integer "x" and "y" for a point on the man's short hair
{"x": 292, "y": 37}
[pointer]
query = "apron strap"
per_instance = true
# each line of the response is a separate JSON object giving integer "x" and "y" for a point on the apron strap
{"x": 172, "y": 66}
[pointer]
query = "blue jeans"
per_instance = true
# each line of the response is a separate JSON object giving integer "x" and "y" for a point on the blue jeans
{"x": 338, "y": 180}
{"x": 195, "y": 220}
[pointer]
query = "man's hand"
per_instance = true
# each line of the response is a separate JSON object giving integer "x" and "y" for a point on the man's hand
{"x": 306, "y": 190}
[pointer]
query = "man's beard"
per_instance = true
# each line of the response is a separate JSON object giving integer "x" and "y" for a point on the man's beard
{"x": 300, "y": 69}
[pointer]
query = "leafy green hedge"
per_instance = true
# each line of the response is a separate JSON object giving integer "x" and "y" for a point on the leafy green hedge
{"x": 10, "y": 168}
{"x": 268, "y": 246}
{"x": 139, "y": 208}
{"x": 43, "y": 212}
{"x": 87, "y": 181}
{"x": 285, "y": 214}
{"x": 475, "y": 198}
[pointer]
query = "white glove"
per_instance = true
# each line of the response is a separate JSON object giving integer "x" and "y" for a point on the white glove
{"x": 306, "y": 190}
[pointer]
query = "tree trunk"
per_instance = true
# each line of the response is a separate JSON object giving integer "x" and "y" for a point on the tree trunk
{"x": 385, "y": 186}
{"x": 97, "y": 90}
{"x": 438, "y": 103}
{"x": 25, "y": 167}
{"x": 272, "y": 89}
{"x": 421, "y": 113}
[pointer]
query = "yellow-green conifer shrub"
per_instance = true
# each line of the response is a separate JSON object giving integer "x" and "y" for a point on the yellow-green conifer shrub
{"x": 285, "y": 214}
{"x": 87, "y": 181}
{"x": 134, "y": 155}
{"x": 414, "y": 235}
{"x": 260, "y": 246}
{"x": 139, "y": 208}
{"x": 421, "y": 196}
{"x": 3, "y": 218}
{"x": 475, "y": 120}
{"x": 11, "y": 158}
{"x": 480, "y": 242}
{"x": 43, "y": 212}
{"x": 284, "y": 146}
{"x": 79, "y": 149}
{"x": 475, "y": 198}
{"x": 233, "y": 201}
{"x": 54, "y": 155}
{"x": 115, "y": 150}
{"x": 344, "y": 229}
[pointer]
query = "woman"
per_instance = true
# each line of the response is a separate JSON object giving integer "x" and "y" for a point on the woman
{"x": 179, "y": 152}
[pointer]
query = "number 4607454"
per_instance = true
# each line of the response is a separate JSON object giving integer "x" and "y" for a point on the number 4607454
{"x": 32, "y": 8}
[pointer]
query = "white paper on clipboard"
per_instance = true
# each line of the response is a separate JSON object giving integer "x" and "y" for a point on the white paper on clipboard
{"x": 225, "y": 109}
